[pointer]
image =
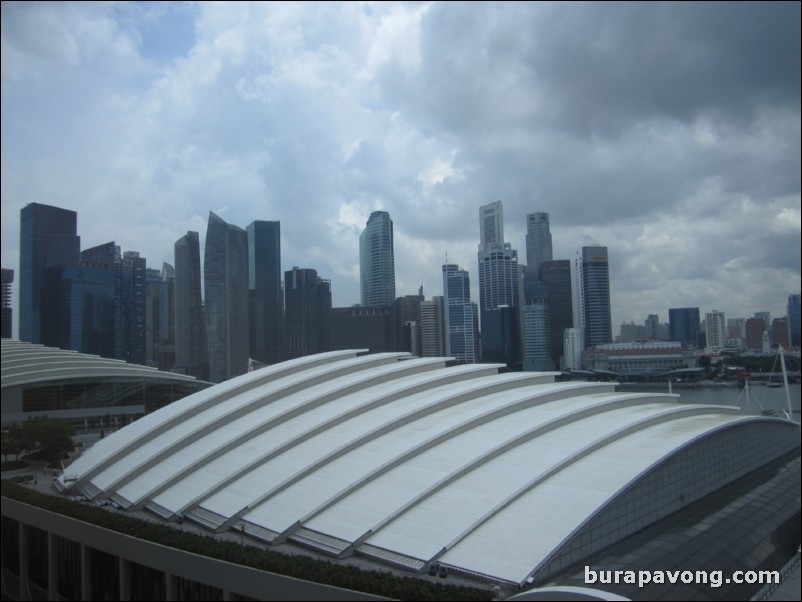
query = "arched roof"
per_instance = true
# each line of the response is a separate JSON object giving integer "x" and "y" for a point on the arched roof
{"x": 402, "y": 459}
{"x": 28, "y": 364}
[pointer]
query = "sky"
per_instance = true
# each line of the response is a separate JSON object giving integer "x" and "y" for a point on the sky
{"x": 669, "y": 133}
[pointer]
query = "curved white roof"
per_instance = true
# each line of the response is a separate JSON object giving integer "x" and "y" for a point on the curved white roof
{"x": 398, "y": 458}
{"x": 27, "y": 363}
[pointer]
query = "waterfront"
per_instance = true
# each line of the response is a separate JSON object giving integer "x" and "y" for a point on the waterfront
{"x": 770, "y": 398}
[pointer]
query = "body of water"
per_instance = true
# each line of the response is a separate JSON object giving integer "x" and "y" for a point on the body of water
{"x": 761, "y": 397}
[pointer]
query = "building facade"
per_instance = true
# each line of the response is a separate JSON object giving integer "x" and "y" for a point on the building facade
{"x": 49, "y": 244}
{"x": 556, "y": 275}
{"x": 225, "y": 270}
{"x": 377, "y": 260}
{"x": 265, "y": 296}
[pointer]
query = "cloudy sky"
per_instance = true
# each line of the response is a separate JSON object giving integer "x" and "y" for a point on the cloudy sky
{"x": 669, "y": 133}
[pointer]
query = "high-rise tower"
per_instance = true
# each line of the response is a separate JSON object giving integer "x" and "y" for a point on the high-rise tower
{"x": 538, "y": 240}
{"x": 49, "y": 244}
{"x": 596, "y": 296}
{"x": 191, "y": 354}
{"x": 498, "y": 288}
{"x": 376, "y": 260}
{"x": 225, "y": 271}
{"x": 265, "y": 296}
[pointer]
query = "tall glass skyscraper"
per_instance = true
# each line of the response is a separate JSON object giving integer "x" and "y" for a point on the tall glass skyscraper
{"x": 556, "y": 276}
{"x": 461, "y": 319}
{"x": 225, "y": 272}
{"x": 191, "y": 353}
{"x": 596, "y": 296}
{"x": 538, "y": 240}
{"x": 49, "y": 244}
{"x": 376, "y": 260}
{"x": 265, "y": 297}
{"x": 96, "y": 318}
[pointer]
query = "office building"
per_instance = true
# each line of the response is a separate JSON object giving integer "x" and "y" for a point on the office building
{"x": 683, "y": 325}
{"x": 160, "y": 317}
{"x": 498, "y": 284}
{"x": 49, "y": 244}
{"x": 779, "y": 332}
{"x": 537, "y": 351}
{"x": 407, "y": 313}
{"x": 372, "y": 328}
{"x": 376, "y": 260}
{"x": 556, "y": 276}
{"x": 596, "y": 296}
{"x": 7, "y": 318}
{"x": 308, "y": 312}
{"x": 191, "y": 351}
{"x": 793, "y": 314}
{"x": 755, "y": 328}
{"x": 491, "y": 224}
{"x": 460, "y": 314}
{"x": 538, "y": 240}
{"x": 266, "y": 298}
{"x": 433, "y": 343}
{"x": 225, "y": 271}
{"x": 132, "y": 299}
{"x": 652, "y": 324}
{"x": 93, "y": 293}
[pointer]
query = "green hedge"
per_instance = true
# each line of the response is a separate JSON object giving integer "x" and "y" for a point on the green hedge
{"x": 303, "y": 567}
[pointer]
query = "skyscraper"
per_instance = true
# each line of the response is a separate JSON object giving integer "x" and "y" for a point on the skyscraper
{"x": 225, "y": 271}
{"x": 132, "y": 300}
{"x": 461, "y": 320}
{"x": 556, "y": 275}
{"x": 683, "y": 325}
{"x": 538, "y": 240}
{"x": 376, "y": 260}
{"x": 49, "y": 244}
{"x": 498, "y": 283}
{"x": 93, "y": 291}
{"x": 433, "y": 342}
{"x": 596, "y": 296}
{"x": 191, "y": 353}
{"x": 8, "y": 278}
{"x": 491, "y": 223}
{"x": 308, "y": 312}
{"x": 266, "y": 299}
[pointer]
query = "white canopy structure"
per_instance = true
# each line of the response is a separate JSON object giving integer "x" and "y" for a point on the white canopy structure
{"x": 505, "y": 477}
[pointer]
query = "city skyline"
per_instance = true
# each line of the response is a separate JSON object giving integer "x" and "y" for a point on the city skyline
{"x": 153, "y": 115}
